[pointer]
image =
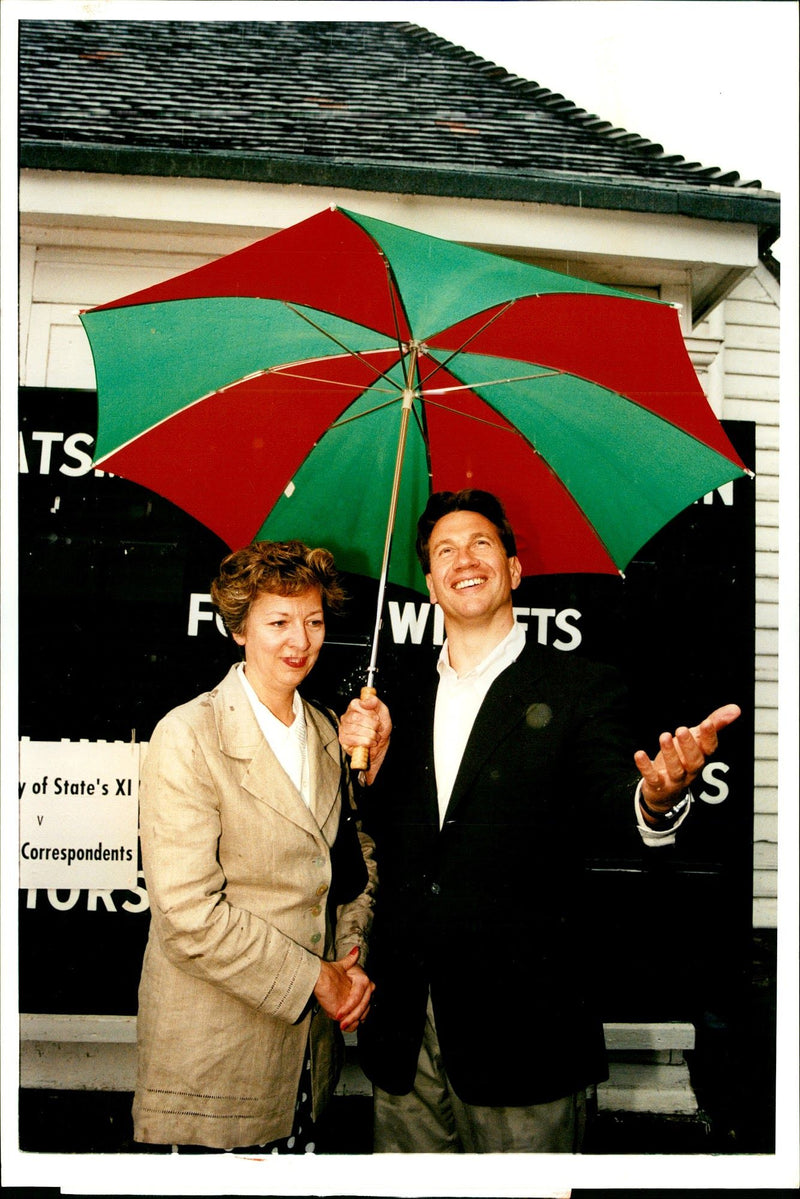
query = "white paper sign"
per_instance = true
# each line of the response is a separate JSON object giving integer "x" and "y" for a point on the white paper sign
{"x": 78, "y": 814}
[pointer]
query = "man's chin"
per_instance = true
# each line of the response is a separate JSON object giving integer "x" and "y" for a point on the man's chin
{"x": 470, "y": 603}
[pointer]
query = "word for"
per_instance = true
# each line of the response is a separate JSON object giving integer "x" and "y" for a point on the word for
{"x": 64, "y": 899}
{"x": 199, "y": 610}
{"x": 69, "y": 854}
{"x": 68, "y": 787}
{"x": 410, "y": 622}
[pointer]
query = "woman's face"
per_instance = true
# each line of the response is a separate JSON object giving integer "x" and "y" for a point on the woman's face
{"x": 282, "y": 638}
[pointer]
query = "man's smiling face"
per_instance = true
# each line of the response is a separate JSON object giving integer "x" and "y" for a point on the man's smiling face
{"x": 470, "y": 577}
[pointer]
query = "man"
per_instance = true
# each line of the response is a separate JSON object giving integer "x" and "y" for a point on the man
{"x": 484, "y": 804}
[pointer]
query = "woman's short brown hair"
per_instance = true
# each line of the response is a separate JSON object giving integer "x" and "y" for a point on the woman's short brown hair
{"x": 280, "y": 567}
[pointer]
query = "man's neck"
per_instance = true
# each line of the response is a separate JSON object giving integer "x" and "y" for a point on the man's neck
{"x": 468, "y": 644}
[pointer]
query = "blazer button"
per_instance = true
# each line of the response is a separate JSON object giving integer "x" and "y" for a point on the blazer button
{"x": 315, "y": 911}
{"x": 316, "y": 938}
{"x": 322, "y": 888}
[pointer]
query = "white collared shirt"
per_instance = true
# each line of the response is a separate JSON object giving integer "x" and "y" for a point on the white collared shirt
{"x": 289, "y": 743}
{"x": 458, "y": 700}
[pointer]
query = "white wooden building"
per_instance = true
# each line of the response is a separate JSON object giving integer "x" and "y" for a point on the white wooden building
{"x": 88, "y": 239}
{"x": 103, "y": 215}
{"x": 746, "y": 387}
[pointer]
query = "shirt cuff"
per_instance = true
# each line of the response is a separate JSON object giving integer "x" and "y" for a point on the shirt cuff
{"x": 658, "y": 836}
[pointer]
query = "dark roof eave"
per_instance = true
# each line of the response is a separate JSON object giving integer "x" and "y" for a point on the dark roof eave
{"x": 707, "y": 203}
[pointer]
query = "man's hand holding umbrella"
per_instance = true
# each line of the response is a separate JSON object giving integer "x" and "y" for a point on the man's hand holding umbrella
{"x": 367, "y": 722}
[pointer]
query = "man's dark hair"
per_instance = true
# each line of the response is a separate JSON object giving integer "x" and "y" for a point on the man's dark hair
{"x": 441, "y": 503}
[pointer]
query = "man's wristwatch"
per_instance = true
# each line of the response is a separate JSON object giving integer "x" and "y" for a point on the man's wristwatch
{"x": 671, "y": 813}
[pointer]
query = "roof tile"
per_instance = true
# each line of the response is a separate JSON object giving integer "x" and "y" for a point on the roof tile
{"x": 280, "y": 99}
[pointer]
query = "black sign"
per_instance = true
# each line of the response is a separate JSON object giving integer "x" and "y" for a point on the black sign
{"x": 116, "y": 628}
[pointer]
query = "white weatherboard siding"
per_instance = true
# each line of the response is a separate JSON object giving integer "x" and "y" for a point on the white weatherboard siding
{"x": 67, "y": 266}
{"x": 751, "y": 374}
{"x": 746, "y": 386}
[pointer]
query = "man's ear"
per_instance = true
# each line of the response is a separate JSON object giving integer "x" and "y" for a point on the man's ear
{"x": 431, "y": 589}
{"x": 515, "y": 567}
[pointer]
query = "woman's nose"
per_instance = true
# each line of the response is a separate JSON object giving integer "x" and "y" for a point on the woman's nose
{"x": 298, "y": 637}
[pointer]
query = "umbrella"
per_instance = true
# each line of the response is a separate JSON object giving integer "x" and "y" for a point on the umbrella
{"x": 321, "y": 382}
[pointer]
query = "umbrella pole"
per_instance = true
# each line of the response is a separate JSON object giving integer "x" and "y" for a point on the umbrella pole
{"x": 408, "y": 399}
{"x": 360, "y": 756}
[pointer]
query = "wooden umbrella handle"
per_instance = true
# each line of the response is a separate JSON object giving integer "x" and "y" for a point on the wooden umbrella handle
{"x": 359, "y": 759}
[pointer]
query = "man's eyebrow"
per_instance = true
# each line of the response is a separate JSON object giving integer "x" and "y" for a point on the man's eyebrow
{"x": 450, "y": 541}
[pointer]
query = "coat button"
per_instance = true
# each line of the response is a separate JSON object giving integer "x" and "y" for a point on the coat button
{"x": 435, "y": 888}
{"x": 316, "y": 938}
{"x": 315, "y": 911}
{"x": 322, "y": 888}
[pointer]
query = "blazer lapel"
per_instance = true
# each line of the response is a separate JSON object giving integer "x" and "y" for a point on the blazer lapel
{"x": 424, "y": 748}
{"x": 262, "y": 774}
{"x": 324, "y": 764}
{"x": 504, "y": 705}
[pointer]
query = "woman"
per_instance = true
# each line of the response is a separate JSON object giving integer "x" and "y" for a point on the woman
{"x": 260, "y": 886}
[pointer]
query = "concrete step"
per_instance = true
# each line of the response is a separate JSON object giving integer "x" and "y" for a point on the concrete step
{"x": 98, "y": 1053}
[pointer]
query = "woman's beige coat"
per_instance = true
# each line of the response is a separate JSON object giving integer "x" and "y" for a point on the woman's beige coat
{"x": 238, "y": 869}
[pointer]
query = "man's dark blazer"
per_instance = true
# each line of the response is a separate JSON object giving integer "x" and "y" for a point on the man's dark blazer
{"x": 488, "y": 912}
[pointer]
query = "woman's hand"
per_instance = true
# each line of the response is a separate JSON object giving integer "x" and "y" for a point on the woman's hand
{"x": 344, "y": 991}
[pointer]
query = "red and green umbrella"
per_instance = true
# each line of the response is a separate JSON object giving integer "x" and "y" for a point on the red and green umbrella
{"x": 322, "y": 382}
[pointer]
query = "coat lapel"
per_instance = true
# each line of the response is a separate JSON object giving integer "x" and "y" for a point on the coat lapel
{"x": 427, "y": 705}
{"x": 324, "y": 764}
{"x": 262, "y": 774}
{"x": 505, "y": 704}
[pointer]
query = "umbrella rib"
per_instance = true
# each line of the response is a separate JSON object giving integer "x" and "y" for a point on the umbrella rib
{"x": 441, "y": 365}
{"x": 393, "y": 290}
{"x": 548, "y": 374}
{"x": 342, "y": 345}
{"x": 420, "y": 426}
{"x": 481, "y": 420}
{"x": 512, "y": 429}
{"x": 367, "y": 412}
{"x": 285, "y": 373}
